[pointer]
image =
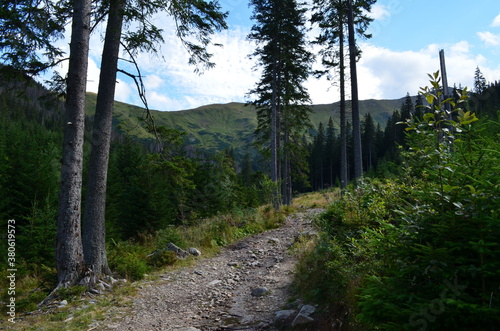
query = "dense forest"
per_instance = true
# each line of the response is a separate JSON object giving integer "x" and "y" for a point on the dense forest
{"x": 411, "y": 243}
{"x": 150, "y": 192}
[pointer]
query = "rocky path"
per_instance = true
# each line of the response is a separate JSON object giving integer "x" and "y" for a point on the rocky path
{"x": 239, "y": 289}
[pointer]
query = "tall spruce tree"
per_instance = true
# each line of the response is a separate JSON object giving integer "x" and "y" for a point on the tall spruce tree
{"x": 479, "y": 82}
{"x": 331, "y": 155}
{"x": 193, "y": 18}
{"x": 69, "y": 250}
{"x": 27, "y": 43}
{"x": 282, "y": 100}
{"x": 332, "y": 17}
{"x": 93, "y": 225}
{"x": 368, "y": 142}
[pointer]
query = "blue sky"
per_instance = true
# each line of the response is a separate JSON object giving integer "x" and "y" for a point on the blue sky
{"x": 407, "y": 37}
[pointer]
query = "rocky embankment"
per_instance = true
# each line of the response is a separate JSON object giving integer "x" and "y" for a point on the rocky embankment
{"x": 245, "y": 287}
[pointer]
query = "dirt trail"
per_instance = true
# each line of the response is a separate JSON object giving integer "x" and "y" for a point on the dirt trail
{"x": 216, "y": 293}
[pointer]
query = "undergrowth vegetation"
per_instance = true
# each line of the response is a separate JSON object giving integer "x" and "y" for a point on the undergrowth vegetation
{"x": 420, "y": 252}
{"x": 133, "y": 259}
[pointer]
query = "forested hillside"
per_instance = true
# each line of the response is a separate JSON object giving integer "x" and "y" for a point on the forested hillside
{"x": 213, "y": 128}
{"x": 91, "y": 190}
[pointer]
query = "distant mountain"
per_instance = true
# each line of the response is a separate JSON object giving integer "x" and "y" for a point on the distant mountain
{"x": 216, "y": 127}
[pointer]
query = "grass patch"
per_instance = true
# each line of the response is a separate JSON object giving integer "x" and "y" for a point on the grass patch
{"x": 320, "y": 199}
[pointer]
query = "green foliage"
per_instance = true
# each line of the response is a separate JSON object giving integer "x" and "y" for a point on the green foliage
{"x": 444, "y": 272}
{"x": 420, "y": 252}
{"x": 161, "y": 258}
{"x": 348, "y": 248}
{"x": 128, "y": 259}
{"x": 69, "y": 293}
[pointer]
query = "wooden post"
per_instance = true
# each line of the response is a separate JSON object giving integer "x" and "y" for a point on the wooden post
{"x": 444, "y": 78}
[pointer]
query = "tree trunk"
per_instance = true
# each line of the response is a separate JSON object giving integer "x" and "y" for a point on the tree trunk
{"x": 274, "y": 138}
{"x": 356, "y": 131}
{"x": 69, "y": 251}
{"x": 343, "y": 121}
{"x": 287, "y": 178}
{"x": 93, "y": 227}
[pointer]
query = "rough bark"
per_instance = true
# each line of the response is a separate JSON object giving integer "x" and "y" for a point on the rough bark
{"x": 274, "y": 139}
{"x": 69, "y": 251}
{"x": 356, "y": 130}
{"x": 93, "y": 227}
{"x": 343, "y": 121}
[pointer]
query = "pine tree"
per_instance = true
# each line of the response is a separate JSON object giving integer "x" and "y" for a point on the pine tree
{"x": 333, "y": 17}
{"x": 419, "y": 107}
{"x": 93, "y": 225}
{"x": 407, "y": 110}
{"x": 331, "y": 153}
{"x": 29, "y": 31}
{"x": 203, "y": 18}
{"x": 479, "y": 82}
{"x": 368, "y": 142}
{"x": 69, "y": 250}
{"x": 282, "y": 101}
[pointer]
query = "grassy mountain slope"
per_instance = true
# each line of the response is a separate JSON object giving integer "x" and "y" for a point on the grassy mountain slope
{"x": 215, "y": 127}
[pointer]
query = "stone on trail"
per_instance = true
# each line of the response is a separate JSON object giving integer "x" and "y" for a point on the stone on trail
{"x": 302, "y": 319}
{"x": 194, "y": 251}
{"x": 307, "y": 310}
{"x": 259, "y": 291}
{"x": 182, "y": 254}
{"x": 284, "y": 317}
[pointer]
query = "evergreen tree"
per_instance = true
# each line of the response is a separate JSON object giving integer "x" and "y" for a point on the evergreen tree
{"x": 419, "y": 107}
{"x": 282, "y": 101}
{"x": 93, "y": 225}
{"x": 479, "y": 82}
{"x": 333, "y": 17}
{"x": 331, "y": 153}
{"x": 357, "y": 23}
{"x": 318, "y": 159}
{"x": 406, "y": 112}
{"x": 392, "y": 134}
{"x": 203, "y": 18}
{"x": 368, "y": 142}
{"x": 29, "y": 31}
{"x": 69, "y": 250}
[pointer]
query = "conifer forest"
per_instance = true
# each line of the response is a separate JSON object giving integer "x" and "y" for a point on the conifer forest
{"x": 90, "y": 187}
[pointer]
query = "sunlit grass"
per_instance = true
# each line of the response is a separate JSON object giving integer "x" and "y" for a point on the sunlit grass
{"x": 320, "y": 199}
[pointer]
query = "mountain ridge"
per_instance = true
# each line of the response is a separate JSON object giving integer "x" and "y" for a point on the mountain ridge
{"x": 215, "y": 127}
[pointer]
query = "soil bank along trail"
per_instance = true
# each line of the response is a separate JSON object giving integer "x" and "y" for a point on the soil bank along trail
{"x": 239, "y": 289}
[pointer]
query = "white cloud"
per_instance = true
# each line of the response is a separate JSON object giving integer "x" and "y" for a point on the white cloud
{"x": 383, "y": 73}
{"x": 170, "y": 75}
{"x": 123, "y": 91}
{"x": 153, "y": 82}
{"x": 379, "y": 12}
{"x": 388, "y": 74}
{"x": 496, "y": 21}
{"x": 92, "y": 76}
{"x": 489, "y": 38}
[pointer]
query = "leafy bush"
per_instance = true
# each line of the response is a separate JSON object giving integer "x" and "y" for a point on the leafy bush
{"x": 421, "y": 252}
{"x": 128, "y": 259}
{"x": 161, "y": 258}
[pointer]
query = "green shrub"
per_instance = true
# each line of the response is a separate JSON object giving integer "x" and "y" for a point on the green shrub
{"x": 129, "y": 260}
{"x": 162, "y": 258}
{"x": 421, "y": 252}
{"x": 443, "y": 272}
